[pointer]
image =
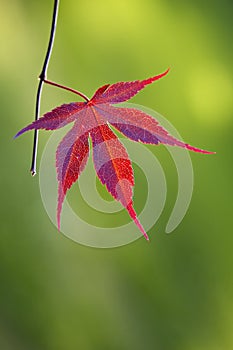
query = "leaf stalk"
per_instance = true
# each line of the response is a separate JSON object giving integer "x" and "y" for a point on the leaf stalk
{"x": 67, "y": 88}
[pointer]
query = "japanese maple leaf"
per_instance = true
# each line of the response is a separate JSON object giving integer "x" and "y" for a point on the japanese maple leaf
{"x": 93, "y": 120}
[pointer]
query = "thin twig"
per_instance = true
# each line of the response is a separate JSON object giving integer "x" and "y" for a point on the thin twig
{"x": 42, "y": 77}
{"x": 67, "y": 88}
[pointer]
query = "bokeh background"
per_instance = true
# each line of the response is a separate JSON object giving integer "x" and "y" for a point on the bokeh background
{"x": 177, "y": 291}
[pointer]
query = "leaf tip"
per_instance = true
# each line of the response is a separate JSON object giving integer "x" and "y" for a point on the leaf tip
{"x": 166, "y": 72}
{"x": 195, "y": 149}
{"x": 59, "y": 221}
{"x": 20, "y": 132}
{"x": 133, "y": 215}
{"x": 15, "y": 137}
{"x": 157, "y": 77}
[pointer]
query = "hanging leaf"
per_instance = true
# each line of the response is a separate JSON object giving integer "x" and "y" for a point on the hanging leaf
{"x": 92, "y": 120}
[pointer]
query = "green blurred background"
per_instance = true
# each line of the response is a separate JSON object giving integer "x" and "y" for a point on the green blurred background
{"x": 177, "y": 291}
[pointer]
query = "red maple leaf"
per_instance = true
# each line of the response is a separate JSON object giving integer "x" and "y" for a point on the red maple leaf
{"x": 92, "y": 120}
